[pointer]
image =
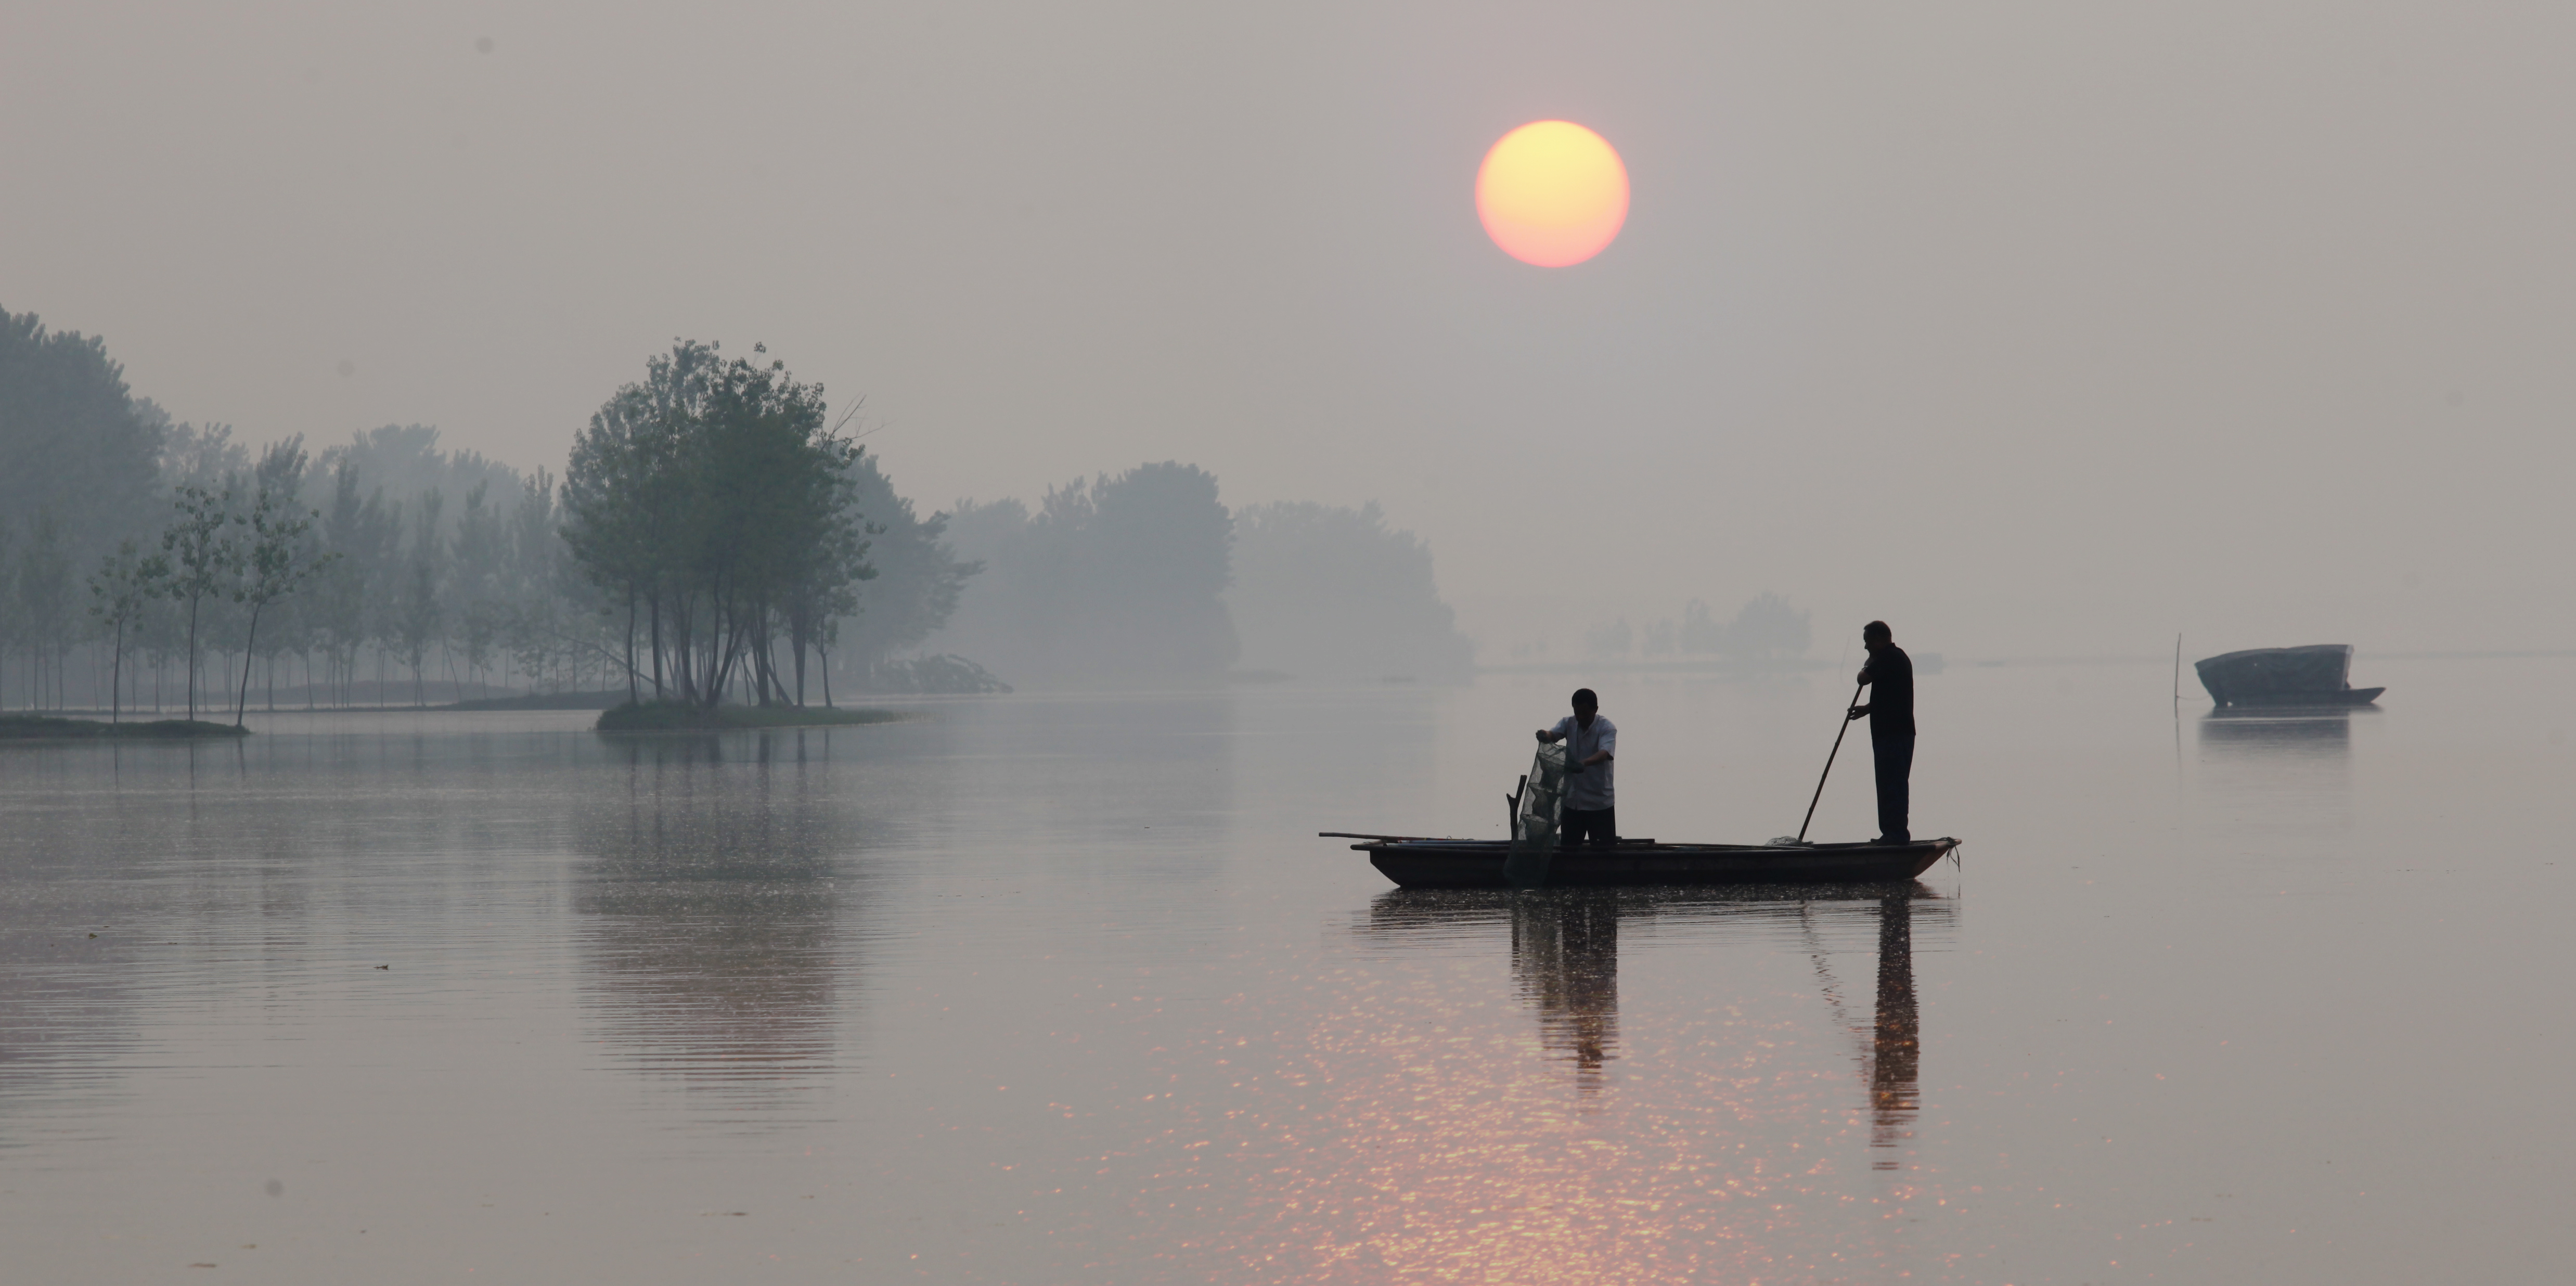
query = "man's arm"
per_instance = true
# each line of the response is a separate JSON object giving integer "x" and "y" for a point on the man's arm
{"x": 1609, "y": 742}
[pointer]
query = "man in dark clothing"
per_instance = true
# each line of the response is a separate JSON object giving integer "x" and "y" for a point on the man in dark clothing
{"x": 1889, "y": 675}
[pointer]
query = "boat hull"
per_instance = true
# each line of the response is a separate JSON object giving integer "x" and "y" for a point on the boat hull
{"x": 2315, "y": 675}
{"x": 2291, "y": 700}
{"x": 1478, "y": 864}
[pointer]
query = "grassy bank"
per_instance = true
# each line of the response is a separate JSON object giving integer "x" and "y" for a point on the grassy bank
{"x": 680, "y": 716}
{"x": 37, "y": 727}
{"x": 545, "y": 701}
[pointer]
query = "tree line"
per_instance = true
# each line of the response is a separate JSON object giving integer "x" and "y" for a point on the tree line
{"x": 716, "y": 536}
{"x": 1765, "y": 628}
{"x": 167, "y": 563}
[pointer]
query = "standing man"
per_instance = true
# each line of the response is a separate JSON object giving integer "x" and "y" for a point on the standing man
{"x": 1889, "y": 674}
{"x": 1591, "y": 811}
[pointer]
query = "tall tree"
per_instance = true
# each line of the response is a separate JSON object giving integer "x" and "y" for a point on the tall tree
{"x": 203, "y": 558}
{"x": 419, "y": 612}
{"x": 714, "y": 496}
{"x": 274, "y": 562}
{"x": 919, "y": 579}
{"x": 120, "y": 590}
{"x": 70, "y": 428}
{"x": 44, "y": 606}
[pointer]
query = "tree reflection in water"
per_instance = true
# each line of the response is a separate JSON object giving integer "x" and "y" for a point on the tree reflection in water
{"x": 710, "y": 918}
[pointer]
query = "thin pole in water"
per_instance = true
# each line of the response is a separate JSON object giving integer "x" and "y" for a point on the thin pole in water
{"x": 2177, "y": 674}
{"x": 1829, "y": 763}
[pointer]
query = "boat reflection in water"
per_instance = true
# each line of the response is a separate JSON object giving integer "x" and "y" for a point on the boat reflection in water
{"x": 2237, "y": 732}
{"x": 2287, "y": 774}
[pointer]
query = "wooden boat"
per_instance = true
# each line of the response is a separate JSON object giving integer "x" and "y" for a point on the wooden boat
{"x": 2315, "y": 675}
{"x": 1421, "y": 863}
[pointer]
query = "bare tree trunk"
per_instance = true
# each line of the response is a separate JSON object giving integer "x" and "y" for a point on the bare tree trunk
{"x": 243, "y": 702}
{"x": 192, "y": 658}
{"x": 654, "y": 602}
{"x": 633, "y": 697}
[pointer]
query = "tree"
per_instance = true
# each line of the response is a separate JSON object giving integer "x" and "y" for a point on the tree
{"x": 45, "y": 606}
{"x": 11, "y": 623}
{"x": 120, "y": 590}
{"x": 70, "y": 428}
{"x": 418, "y": 611}
{"x": 919, "y": 577}
{"x": 202, "y": 559}
{"x": 1118, "y": 579}
{"x": 273, "y": 564}
{"x": 1321, "y": 590}
{"x": 1700, "y": 632}
{"x": 712, "y": 497}
{"x": 1767, "y": 627}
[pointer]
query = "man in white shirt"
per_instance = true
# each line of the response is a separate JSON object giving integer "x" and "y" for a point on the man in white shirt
{"x": 1591, "y": 812}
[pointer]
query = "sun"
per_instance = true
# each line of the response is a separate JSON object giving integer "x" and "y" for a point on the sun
{"x": 1552, "y": 193}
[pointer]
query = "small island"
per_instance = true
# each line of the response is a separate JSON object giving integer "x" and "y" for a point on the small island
{"x": 688, "y": 716}
{"x": 38, "y": 727}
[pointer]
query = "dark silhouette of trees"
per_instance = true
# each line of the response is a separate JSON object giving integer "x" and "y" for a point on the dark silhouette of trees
{"x": 199, "y": 549}
{"x": 712, "y": 501}
{"x": 1327, "y": 592}
{"x": 918, "y": 584}
{"x": 70, "y": 429}
{"x": 275, "y": 559}
{"x": 1119, "y": 580}
{"x": 712, "y": 539}
{"x": 120, "y": 590}
{"x": 1765, "y": 628}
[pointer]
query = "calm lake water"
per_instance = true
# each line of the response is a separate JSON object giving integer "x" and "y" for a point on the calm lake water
{"x": 1042, "y": 990}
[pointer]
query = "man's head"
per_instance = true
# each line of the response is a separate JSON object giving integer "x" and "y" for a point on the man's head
{"x": 1876, "y": 634}
{"x": 1586, "y": 705}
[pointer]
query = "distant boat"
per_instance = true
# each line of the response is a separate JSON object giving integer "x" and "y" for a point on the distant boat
{"x": 2315, "y": 675}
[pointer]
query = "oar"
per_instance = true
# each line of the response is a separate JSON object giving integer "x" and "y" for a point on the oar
{"x": 1848, "y": 721}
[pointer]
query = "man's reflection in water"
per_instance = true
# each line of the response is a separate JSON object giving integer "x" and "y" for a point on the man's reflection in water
{"x": 1565, "y": 960}
{"x": 1771, "y": 1116}
{"x": 1896, "y": 1045}
{"x": 1565, "y": 954}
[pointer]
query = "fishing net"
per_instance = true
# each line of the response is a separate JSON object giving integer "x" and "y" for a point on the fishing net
{"x": 1534, "y": 825}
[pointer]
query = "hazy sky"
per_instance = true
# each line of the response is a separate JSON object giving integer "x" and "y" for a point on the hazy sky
{"x": 2037, "y": 329}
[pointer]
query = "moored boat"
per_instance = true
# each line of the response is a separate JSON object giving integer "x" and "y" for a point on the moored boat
{"x": 2315, "y": 675}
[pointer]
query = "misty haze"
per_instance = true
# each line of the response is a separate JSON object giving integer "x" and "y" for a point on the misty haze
{"x": 1002, "y": 643}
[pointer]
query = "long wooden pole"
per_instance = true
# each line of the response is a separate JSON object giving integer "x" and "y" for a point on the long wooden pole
{"x": 1829, "y": 762}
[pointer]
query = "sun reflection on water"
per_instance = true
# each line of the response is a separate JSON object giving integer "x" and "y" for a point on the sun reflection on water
{"x": 1422, "y": 1127}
